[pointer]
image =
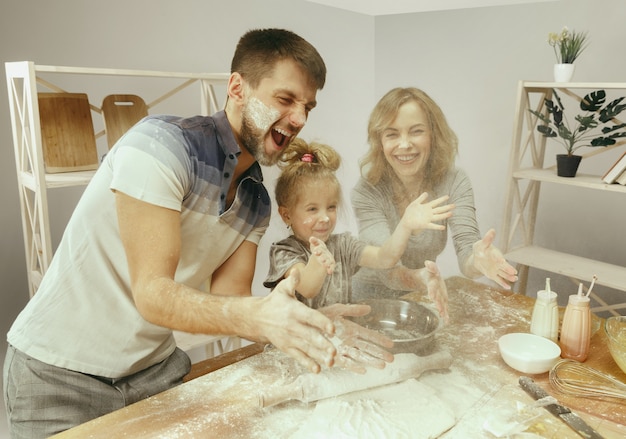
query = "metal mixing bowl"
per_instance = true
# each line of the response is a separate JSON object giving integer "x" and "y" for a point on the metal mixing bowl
{"x": 411, "y": 326}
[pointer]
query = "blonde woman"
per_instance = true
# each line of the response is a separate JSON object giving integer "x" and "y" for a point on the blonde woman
{"x": 412, "y": 151}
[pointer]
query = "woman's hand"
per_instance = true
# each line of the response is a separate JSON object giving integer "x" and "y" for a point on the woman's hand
{"x": 437, "y": 291}
{"x": 422, "y": 215}
{"x": 491, "y": 263}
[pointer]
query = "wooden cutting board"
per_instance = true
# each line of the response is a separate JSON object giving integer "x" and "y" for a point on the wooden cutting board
{"x": 120, "y": 112}
{"x": 67, "y": 132}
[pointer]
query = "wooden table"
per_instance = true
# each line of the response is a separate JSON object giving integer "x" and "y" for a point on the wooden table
{"x": 224, "y": 402}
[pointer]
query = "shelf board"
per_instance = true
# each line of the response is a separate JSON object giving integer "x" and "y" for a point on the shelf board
{"x": 128, "y": 72}
{"x": 581, "y": 180}
{"x": 609, "y": 275}
{"x": 583, "y": 85}
{"x": 61, "y": 179}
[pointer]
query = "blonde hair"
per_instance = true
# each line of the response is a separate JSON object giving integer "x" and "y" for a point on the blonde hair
{"x": 300, "y": 162}
{"x": 444, "y": 142}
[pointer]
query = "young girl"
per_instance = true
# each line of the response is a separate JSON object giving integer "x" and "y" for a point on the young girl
{"x": 308, "y": 195}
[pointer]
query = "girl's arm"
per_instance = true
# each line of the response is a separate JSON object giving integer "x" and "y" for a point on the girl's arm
{"x": 418, "y": 215}
{"x": 313, "y": 273}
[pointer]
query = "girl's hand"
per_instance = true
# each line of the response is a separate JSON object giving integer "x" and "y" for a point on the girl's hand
{"x": 321, "y": 253}
{"x": 420, "y": 214}
{"x": 491, "y": 263}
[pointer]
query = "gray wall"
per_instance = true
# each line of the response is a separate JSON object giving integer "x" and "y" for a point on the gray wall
{"x": 468, "y": 60}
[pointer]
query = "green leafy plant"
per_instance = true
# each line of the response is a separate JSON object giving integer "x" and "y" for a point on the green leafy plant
{"x": 567, "y": 45}
{"x": 584, "y": 133}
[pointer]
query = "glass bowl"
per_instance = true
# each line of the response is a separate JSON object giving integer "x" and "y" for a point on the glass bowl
{"x": 615, "y": 328}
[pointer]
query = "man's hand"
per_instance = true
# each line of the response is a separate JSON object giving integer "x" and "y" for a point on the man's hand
{"x": 357, "y": 347}
{"x": 305, "y": 334}
{"x": 491, "y": 263}
{"x": 293, "y": 327}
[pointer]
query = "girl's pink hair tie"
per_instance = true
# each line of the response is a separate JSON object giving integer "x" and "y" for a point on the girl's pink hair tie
{"x": 307, "y": 158}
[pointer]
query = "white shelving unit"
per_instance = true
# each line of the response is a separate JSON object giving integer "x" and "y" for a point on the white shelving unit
{"x": 527, "y": 173}
{"x": 25, "y": 80}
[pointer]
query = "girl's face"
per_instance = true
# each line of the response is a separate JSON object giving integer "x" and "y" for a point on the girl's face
{"x": 406, "y": 142}
{"x": 315, "y": 211}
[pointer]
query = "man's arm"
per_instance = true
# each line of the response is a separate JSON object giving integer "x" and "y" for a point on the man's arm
{"x": 234, "y": 276}
{"x": 151, "y": 238}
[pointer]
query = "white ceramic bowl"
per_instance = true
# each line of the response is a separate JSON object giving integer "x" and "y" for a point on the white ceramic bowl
{"x": 528, "y": 353}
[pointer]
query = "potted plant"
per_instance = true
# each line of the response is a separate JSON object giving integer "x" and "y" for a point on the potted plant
{"x": 596, "y": 116}
{"x": 567, "y": 47}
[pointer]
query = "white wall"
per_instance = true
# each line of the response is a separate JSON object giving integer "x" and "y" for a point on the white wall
{"x": 468, "y": 60}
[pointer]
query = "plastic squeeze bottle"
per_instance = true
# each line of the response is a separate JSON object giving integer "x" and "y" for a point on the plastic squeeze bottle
{"x": 545, "y": 318}
{"x": 576, "y": 330}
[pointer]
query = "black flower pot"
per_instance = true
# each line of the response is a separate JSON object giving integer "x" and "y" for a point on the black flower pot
{"x": 567, "y": 165}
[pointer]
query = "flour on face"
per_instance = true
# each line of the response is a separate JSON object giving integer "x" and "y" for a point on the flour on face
{"x": 262, "y": 115}
{"x": 256, "y": 123}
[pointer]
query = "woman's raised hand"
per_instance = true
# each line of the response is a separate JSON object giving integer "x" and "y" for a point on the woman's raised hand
{"x": 421, "y": 214}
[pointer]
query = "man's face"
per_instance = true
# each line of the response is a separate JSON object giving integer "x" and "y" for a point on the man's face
{"x": 274, "y": 113}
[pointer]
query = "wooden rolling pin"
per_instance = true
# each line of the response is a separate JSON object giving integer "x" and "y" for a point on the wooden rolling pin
{"x": 311, "y": 387}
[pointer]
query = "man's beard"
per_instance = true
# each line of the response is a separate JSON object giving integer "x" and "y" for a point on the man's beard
{"x": 253, "y": 139}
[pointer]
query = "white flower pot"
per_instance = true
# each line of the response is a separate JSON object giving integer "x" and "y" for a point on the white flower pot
{"x": 563, "y": 72}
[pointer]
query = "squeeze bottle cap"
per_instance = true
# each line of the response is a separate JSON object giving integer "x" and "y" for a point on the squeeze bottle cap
{"x": 546, "y": 295}
{"x": 576, "y": 299}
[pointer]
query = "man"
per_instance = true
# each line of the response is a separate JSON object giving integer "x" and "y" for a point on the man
{"x": 175, "y": 203}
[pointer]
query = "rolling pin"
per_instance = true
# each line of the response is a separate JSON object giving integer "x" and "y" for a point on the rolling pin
{"x": 331, "y": 382}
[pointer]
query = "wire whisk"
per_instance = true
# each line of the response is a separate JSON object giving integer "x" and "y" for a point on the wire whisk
{"x": 573, "y": 378}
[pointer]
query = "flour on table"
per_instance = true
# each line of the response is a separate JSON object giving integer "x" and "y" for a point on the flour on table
{"x": 409, "y": 409}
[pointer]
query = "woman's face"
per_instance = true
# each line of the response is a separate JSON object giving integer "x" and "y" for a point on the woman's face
{"x": 406, "y": 142}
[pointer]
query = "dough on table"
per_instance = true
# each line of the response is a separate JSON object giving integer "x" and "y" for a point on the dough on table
{"x": 409, "y": 409}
